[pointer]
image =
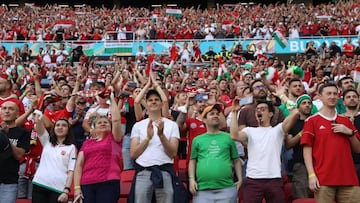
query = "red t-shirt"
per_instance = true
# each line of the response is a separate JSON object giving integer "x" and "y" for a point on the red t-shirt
{"x": 331, "y": 152}
{"x": 195, "y": 127}
{"x": 348, "y": 47}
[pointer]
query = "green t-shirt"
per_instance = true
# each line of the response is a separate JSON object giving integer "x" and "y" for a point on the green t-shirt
{"x": 214, "y": 154}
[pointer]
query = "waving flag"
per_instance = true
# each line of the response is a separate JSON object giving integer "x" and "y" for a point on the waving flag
{"x": 280, "y": 39}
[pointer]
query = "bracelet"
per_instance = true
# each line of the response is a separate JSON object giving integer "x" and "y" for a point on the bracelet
{"x": 147, "y": 138}
{"x": 312, "y": 175}
{"x": 281, "y": 96}
{"x": 157, "y": 87}
{"x": 191, "y": 177}
{"x": 76, "y": 187}
{"x": 67, "y": 188}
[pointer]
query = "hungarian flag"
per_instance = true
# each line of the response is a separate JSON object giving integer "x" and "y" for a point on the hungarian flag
{"x": 174, "y": 12}
{"x": 149, "y": 65}
{"x": 63, "y": 23}
{"x": 280, "y": 39}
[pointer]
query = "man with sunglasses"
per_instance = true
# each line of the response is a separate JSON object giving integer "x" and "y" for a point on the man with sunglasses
{"x": 247, "y": 116}
{"x": 264, "y": 145}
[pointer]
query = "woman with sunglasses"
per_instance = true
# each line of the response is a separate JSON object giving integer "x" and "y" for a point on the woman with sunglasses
{"x": 53, "y": 178}
{"x": 97, "y": 171}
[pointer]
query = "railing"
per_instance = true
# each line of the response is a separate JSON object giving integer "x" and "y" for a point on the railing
{"x": 130, "y": 47}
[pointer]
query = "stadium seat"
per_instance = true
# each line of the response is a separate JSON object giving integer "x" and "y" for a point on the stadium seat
{"x": 304, "y": 200}
{"x": 23, "y": 201}
{"x": 287, "y": 191}
{"x": 122, "y": 200}
{"x": 127, "y": 176}
{"x": 125, "y": 189}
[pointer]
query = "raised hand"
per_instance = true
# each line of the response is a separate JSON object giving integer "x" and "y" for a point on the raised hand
{"x": 150, "y": 129}
{"x": 160, "y": 126}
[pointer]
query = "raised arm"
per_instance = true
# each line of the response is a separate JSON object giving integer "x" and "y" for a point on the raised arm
{"x": 21, "y": 119}
{"x": 137, "y": 103}
{"x": 235, "y": 133}
{"x": 115, "y": 119}
{"x": 290, "y": 121}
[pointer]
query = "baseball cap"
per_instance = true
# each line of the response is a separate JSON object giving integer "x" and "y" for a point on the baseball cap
{"x": 5, "y": 147}
{"x": 201, "y": 97}
{"x": 210, "y": 108}
{"x": 152, "y": 92}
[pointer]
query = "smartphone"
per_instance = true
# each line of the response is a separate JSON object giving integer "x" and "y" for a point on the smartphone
{"x": 245, "y": 101}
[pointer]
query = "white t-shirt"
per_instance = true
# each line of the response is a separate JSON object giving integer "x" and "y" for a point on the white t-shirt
{"x": 154, "y": 153}
{"x": 264, "y": 150}
{"x": 55, "y": 162}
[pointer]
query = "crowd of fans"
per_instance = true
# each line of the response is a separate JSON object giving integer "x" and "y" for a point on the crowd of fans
{"x": 66, "y": 100}
{"x": 259, "y": 21}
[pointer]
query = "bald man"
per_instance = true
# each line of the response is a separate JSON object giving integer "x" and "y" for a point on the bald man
{"x": 14, "y": 143}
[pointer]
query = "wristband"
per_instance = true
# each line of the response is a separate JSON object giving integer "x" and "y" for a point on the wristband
{"x": 68, "y": 189}
{"x": 157, "y": 87}
{"x": 77, "y": 187}
{"x": 147, "y": 138}
{"x": 191, "y": 177}
{"x": 312, "y": 175}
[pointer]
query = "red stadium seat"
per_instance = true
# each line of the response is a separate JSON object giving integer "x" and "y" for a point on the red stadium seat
{"x": 125, "y": 189}
{"x": 127, "y": 176}
{"x": 304, "y": 200}
{"x": 287, "y": 191}
{"x": 122, "y": 200}
{"x": 23, "y": 201}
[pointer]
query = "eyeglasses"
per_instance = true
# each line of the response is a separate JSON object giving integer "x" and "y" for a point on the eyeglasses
{"x": 259, "y": 87}
{"x": 261, "y": 108}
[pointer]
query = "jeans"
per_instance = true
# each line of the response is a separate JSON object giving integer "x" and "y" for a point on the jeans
{"x": 128, "y": 162}
{"x": 144, "y": 188}
{"x": 25, "y": 184}
{"x": 8, "y": 193}
{"x": 226, "y": 195}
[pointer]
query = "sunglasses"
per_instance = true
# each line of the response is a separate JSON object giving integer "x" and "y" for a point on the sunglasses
{"x": 259, "y": 87}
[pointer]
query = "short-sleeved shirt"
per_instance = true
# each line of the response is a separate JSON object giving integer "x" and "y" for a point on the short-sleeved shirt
{"x": 55, "y": 162}
{"x": 264, "y": 150}
{"x": 154, "y": 154}
{"x": 214, "y": 154}
{"x": 9, "y": 167}
{"x": 331, "y": 152}
{"x": 195, "y": 127}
